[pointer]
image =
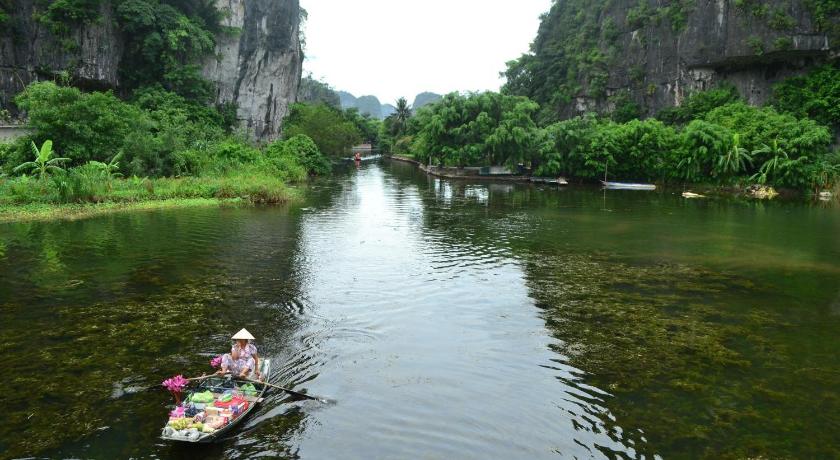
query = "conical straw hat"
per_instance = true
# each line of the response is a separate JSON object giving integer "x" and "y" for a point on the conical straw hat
{"x": 243, "y": 335}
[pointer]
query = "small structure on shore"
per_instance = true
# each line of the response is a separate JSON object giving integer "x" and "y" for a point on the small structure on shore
{"x": 10, "y": 132}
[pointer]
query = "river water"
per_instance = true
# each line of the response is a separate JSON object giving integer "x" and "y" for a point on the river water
{"x": 444, "y": 319}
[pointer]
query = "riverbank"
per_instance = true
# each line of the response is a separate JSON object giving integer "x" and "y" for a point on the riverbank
{"x": 707, "y": 190}
{"x": 461, "y": 173}
{"x": 75, "y": 211}
{"x": 26, "y": 199}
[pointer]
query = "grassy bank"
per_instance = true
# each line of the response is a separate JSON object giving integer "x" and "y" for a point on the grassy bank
{"x": 46, "y": 212}
{"x": 78, "y": 196}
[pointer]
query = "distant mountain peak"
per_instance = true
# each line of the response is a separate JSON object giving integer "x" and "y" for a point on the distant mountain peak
{"x": 372, "y": 106}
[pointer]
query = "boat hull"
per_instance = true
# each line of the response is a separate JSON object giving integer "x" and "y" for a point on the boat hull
{"x": 626, "y": 186}
{"x": 221, "y": 432}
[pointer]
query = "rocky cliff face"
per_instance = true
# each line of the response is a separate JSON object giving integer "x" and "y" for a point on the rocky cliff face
{"x": 593, "y": 55}
{"x": 89, "y": 54}
{"x": 259, "y": 68}
{"x": 257, "y": 65}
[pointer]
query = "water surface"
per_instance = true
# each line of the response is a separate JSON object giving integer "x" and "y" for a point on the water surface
{"x": 447, "y": 320}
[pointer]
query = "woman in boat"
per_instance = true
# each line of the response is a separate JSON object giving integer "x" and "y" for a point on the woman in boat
{"x": 243, "y": 358}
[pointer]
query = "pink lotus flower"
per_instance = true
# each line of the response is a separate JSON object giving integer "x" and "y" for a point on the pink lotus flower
{"x": 216, "y": 362}
{"x": 175, "y": 384}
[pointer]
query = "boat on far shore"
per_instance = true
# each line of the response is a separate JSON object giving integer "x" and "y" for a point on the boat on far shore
{"x": 363, "y": 159}
{"x": 549, "y": 180}
{"x": 627, "y": 186}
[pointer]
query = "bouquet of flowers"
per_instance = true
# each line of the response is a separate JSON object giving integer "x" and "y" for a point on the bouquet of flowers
{"x": 176, "y": 386}
{"x": 217, "y": 361}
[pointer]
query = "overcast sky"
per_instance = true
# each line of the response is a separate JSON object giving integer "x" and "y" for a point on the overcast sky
{"x": 393, "y": 48}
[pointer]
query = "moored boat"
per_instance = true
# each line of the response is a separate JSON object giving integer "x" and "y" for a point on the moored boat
{"x": 549, "y": 180}
{"x": 215, "y": 407}
{"x": 627, "y": 186}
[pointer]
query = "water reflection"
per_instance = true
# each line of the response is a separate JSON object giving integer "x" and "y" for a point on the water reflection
{"x": 447, "y": 318}
{"x": 94, "y": 310}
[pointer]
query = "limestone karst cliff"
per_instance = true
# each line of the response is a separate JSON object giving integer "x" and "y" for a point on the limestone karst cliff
{"x": 595, "y": 55}
{"x": 256, "y": 64}
{"x": 258, "y": 69}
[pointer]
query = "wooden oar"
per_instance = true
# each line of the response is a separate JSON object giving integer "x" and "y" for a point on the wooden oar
{"x": 291, "y": 392}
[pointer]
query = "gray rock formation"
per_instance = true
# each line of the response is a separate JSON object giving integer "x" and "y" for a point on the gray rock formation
{"x": 659, "y": 51}
{"x": 719, "y": 44}
{"x": 258, "y": 69}
{"x": 314, "y": 91}
{"x": 90, "y": 54}
{"x": 425, "y": 98}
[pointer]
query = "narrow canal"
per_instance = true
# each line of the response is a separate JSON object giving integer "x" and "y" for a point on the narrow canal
{"x": 446, "y": 319}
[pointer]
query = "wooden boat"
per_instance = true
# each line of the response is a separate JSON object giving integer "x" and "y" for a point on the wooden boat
{"x": 627, "y": 186}
{"x": 549, "y": 180}
{"x": 364, "y": 159}
{"x": 218, "y": 385}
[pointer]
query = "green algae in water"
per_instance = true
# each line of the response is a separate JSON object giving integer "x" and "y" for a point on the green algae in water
{"x": 696, "y": 371}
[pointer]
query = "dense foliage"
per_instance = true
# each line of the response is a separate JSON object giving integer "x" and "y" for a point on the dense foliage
{"x": 164, "y": 40}
{"x": 329, "y": 127}
{"x": 89, "y": 140}
{"x": 816, "y": 95}
{"x": 578, "y": 48}
{"x": 314, "y": 91}
{"x": 478, "y": 129}
{"x": 712, "y": 138}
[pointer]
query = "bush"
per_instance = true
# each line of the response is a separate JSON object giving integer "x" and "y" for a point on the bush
{"x": 701, "y": 144}
{"x": 13, "y": 154}
{"x": 478, "y": 129}
{"x": 698, "y": 105}
{"x": 566, "y": 150}
{"x": 304, "y": 150}
{"x": 761, "y": 126}
{"x": 327, "y": 126}
{"x": 84, "y": 126}
{"x": 816, "y": 95}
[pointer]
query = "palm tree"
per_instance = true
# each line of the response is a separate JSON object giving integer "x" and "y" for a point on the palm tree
{"x": 401, "y": 116}
{"x": 43, "y": 164}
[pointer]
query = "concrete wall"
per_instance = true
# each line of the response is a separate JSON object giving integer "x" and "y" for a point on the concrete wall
{"x": 11, "y": 132}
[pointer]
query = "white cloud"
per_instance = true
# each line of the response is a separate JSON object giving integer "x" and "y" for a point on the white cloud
{"x": 393, "y": 48}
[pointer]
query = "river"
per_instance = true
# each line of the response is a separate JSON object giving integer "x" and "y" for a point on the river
{"x": 444, "y": 319}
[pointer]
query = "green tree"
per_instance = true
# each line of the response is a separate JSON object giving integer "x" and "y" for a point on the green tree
{"x": 167, "y": 41}
{"x": 816, "y": 95}
{"x": 305, "y": 150}
{"x": 478, "y": 129}
{"x": 332, "y": 133}
{"x": 86, "y": 126}
{"x": 401, "y": 117}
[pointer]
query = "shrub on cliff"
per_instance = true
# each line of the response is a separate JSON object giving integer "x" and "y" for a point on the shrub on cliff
{"x": 816, "y": 95}
{"x": 697, "y": 105}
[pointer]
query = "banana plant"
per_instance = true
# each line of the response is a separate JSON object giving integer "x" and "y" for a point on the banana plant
{"x": 734, "y": 160}
{"x": 44, "y": 163}
{"x": 774, "y": 165}
{"x": 110, "y": 169}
